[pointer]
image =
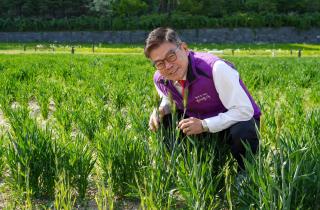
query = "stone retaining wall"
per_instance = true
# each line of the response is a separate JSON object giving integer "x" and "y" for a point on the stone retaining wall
{"x": 223, "y": 35}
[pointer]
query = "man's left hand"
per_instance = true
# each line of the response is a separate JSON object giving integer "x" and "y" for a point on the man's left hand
{"x": 191, "y": 126}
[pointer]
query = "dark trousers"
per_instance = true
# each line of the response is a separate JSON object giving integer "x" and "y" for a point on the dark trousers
{"x": 235, "y": 136}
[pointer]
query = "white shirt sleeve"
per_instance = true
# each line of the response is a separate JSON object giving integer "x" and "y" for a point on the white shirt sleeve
{"x": 232, "y": 96}
{"x": 165, "y": 101}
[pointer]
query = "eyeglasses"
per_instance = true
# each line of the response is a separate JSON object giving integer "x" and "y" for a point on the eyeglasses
{"x": 171, "y": 57}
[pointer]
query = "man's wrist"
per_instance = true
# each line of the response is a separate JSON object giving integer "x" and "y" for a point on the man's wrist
{"x": 205, "y": 127}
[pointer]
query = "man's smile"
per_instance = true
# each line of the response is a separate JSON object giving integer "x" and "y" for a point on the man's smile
{"x": 173, "y": 72}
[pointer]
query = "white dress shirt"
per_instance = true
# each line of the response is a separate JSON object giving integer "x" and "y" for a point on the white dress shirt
{"x": 231, "y": 94}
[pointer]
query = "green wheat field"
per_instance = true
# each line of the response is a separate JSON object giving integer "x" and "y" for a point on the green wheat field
{"x": 74, "y": 132}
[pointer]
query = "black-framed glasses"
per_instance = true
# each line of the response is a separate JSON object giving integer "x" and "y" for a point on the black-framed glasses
{"x": 171, "y": 57}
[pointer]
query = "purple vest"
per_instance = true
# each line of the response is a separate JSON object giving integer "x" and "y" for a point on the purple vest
{"x": 203, "y": 98}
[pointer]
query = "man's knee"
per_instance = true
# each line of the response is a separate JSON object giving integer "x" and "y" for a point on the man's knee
{"x": 245, "y": 132}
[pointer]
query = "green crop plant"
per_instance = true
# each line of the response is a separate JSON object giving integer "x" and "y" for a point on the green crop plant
{"x": 2, "y": 163}
{"x": 81, "y": 162}
{"x": 105, "y": 197}
{"x": 156, "y": 188}
{"x": 43, "y": 100}
{"x": 200, "y": 173}
{"x": 92, "y": 118}
{"x": 98, "y": 109}
{"x": 279, "y": 177}
{"x": 75, "y": 159}
{"x": 125, "y": 154}
{"x": 64, "y": 195}
{"x": 30, "y": 155}
{"x": 64, "y": 118}
{"x": 119, "y": 99}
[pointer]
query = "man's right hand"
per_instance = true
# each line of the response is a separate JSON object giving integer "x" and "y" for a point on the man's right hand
{"x": 155, "y": 118}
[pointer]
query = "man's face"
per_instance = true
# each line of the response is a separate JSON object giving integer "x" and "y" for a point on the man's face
{"x": 171, "y": 60}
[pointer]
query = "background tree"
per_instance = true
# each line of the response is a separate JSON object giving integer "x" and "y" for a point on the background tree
{"x": 102, "y": 7}
{"x": 259, "y": 6}
{"x": 37, "y": 15}
{"x": 129, "y": 7}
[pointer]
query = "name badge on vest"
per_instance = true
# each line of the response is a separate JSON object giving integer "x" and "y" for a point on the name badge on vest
{"x": 203, "y": 97}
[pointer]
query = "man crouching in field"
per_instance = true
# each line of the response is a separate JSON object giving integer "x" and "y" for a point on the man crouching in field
{"x": 217, "y": 99}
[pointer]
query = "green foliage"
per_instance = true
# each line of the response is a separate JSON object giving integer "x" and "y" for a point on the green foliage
{"x": 54, "y": 15}
{"x": 81, "y": 163}
{"x": 74, "y": 161}
{"x": 130, "y": 8}
{"x": 155, "y": 187}
{"x": 121, "y": 157}
{"x": 1, "y": 155}
{"x": 178, "y": 20}
{"x": 63, "y": 193}
{"x": 100, "y": 123}
{"x": 103, "y": 7}
{"x": 200, "y": 174}
{"x": 30, "y": 156}
{"x": 282, "y": 174}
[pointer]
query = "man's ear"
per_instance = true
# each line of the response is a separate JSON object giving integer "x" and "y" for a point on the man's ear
{"x": 184, "y": 46}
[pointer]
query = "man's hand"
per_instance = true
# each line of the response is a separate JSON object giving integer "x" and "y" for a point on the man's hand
{"x": 191, "y": 126}
{"x": 155, "y": 117}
